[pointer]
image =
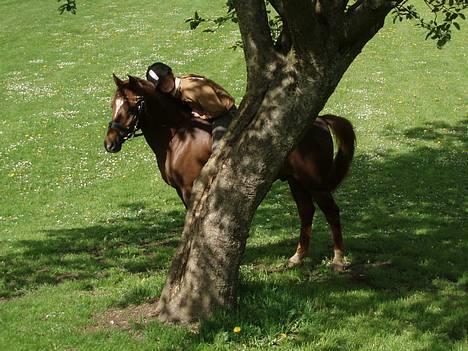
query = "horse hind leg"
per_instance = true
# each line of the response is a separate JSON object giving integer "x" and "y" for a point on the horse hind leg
{"x": 306, "y": 210}
{"x": 331, "y": 211}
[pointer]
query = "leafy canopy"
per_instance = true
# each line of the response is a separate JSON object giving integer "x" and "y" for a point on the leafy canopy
{"x": 444, "y": 15}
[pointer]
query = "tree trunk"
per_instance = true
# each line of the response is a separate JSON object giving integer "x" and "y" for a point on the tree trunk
{"x": 285, "y": 92}
{"x": 205, "y": 270}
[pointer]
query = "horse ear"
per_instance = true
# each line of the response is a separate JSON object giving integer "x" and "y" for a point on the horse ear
{"x": 117, "y": 80}
{"x": 141, "y": 86}
{"x": 134, "y": 82}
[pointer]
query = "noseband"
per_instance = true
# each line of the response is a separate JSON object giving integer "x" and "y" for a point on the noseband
{"x": 130, "y": 132}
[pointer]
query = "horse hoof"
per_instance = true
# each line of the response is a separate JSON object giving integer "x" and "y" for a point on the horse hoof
{"x": 294, "y": 261}
{"x": 338, "y": 266}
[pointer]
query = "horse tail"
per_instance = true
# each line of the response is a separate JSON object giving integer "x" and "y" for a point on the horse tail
{"x": 345, "y": 137}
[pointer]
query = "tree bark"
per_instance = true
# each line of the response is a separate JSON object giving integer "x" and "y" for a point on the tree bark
{"x": 285, "y": 92}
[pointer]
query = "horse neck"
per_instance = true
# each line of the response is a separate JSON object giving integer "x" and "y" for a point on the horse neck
{"x": 167, "y": 110}
{"x": 157, "y": 135}
{"x": 162, "y": 119}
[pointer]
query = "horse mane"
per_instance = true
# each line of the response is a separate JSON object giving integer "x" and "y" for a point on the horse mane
{"x": 192, "y": 122}
{"x": 183, "y": 106}
{"x": 174, "y": 106}
{"x": 174, "y": 109}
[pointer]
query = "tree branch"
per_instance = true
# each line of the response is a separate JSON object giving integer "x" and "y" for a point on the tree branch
{"x": 331, "y": 14}
{"x": 283, "y": 43}
{"x": 257, "y": 42}
{"x": 331, "y": 8}
{"x": 364, "y": 19}
{"x": 303, "y": 25}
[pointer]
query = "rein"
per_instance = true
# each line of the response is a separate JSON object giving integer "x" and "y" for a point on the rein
{"x": 135, "y": 111}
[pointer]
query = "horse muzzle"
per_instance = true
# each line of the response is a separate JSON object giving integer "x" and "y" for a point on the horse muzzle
{"x": 112, "y": 145}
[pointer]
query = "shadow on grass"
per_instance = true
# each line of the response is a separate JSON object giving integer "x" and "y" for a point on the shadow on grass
{"x": 404, "y": 218}
{"x": 406, "y": 208}
{"x": 143, "y": 241}
{"x": 405, "y": 231}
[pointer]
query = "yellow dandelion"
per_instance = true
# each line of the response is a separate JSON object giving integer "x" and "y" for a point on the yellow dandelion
{"x": 282, "y": 336}
{"x": 236, "y": 330}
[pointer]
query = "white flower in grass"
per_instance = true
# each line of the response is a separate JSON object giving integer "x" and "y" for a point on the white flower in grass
{"x": 65, "y": 64}
{"x": 36, "y": 61}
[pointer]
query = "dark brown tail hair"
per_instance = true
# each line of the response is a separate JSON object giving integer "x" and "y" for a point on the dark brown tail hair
{"x": 345, "y": 137}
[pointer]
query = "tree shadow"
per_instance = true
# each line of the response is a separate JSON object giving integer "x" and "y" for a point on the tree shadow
{"x": 404, "y": 218}
{"x": 405, "y": 232}
{"x": 396, "y": 206}
{"x": 142, "y": 241}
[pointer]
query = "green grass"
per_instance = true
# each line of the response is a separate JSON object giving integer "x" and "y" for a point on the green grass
{"x": 83, "y": 232}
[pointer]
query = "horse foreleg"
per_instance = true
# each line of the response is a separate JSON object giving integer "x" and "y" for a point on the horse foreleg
{"x": 184, "y": 193}
{"x": 306, "y": 210}
{"x": 332, "y": 213}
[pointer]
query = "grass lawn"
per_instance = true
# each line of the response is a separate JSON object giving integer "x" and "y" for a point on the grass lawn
{"x": 86, "y": 237}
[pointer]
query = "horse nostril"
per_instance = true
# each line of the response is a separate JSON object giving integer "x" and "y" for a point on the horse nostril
{"x": 112, "y": 147}
{"x": 109, "y": 147}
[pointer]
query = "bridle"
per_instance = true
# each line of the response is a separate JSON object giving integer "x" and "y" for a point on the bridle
{"x": 135, "y": 125}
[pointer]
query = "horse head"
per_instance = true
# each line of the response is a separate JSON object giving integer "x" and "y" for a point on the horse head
{"x": 127, "y": 109}
{"x": 135, "y": 98}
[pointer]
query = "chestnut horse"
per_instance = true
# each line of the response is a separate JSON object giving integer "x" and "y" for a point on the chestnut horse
{"x": 182, "y": 146}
